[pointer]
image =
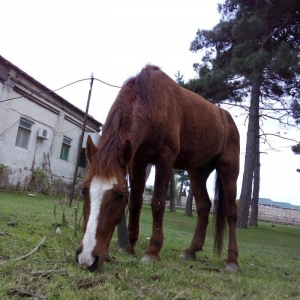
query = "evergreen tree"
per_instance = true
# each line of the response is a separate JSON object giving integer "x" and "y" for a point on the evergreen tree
{"x": 252, "y": 53}
{"x": 172, "y": 193}
{"x": 296, "y": 150}
{"x": 296, "y": 110}
{"x": 179, "y": 78}
{"x": 189, "y": 204}
{"x": 296, "y": 115}
{"x": 183, "y": 181}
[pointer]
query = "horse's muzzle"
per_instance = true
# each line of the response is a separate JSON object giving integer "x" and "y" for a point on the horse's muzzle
{"x": 95, "y": 266}
{"x": 97, "y": 263}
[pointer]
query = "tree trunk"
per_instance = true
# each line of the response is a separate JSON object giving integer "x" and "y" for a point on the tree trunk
{"x": 245, "y": 198}
{"x": 256, "y": 181}
{"x": 189, "y": 204}
{"x": 180, "y": 193}
{"x": 172, "y": 193}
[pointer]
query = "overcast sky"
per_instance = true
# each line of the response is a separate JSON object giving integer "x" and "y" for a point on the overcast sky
{"x": 59, "y": 42}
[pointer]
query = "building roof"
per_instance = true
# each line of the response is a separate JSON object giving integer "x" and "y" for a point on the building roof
{"x": 266, "y": 201}
{"x": 5, "y": 73}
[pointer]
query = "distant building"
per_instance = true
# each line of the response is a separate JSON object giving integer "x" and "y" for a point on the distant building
{"x": 278, "y": 212}
{"x": 39, "y": 131}
{"x": 275, "y": 204}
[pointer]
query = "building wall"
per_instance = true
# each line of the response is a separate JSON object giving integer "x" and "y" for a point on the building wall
{"x": 58, "y": 122}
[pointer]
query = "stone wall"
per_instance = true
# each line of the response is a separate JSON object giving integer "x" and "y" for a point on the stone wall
{"x": 278, "y": 215}
{"x": 265, "y": 213}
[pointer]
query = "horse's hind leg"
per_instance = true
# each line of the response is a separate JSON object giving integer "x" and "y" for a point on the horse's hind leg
{"x": 227, "y": 166}
{"x": 203, "y": 204}
{"x": 228, "y": 170}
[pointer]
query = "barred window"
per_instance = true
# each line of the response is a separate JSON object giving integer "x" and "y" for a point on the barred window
{"x": 65, "y": 148}
{"x": 23, "y": 134}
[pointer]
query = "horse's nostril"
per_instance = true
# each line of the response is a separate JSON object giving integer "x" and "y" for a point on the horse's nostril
{"x": 87, "y": 260}
{"x": 95, "y": 264}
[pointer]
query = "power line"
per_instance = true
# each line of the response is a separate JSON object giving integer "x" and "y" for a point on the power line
{"x": 116, "y": 86}
{"x": 52, "y": 91}
{"x": 235, "y": 104}
{"x": 45, "y": 92}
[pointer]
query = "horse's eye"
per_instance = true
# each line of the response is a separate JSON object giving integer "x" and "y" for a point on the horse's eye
{"x": 119, "y": 196}
{"x": 84, "y": 191}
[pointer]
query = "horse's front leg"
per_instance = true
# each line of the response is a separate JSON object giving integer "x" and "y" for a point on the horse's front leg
{"x": 198, "y": 179}
{"x": 162, "y": 178}
{"x": 137, "y": 185}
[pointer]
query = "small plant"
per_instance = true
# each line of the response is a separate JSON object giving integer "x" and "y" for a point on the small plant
{"x": 63, "y": 204}
{"x": 2, "y": 175}
{"x": 40, "y": 182}
{"x": 77, "y": 221}
{"x": 2, "y": 169}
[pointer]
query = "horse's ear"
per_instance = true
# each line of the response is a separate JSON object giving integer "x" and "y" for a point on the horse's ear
{"x": 126, "y": 154}
{"x": 90, "y": 149}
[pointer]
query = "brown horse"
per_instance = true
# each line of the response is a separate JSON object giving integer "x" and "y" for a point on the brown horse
{"x": 154, "y": 120}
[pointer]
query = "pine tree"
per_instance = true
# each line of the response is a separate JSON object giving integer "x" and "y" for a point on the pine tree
{"x": 296, "y": 150}
{"x": 252, "y": 53}
{"x": 183, "y": 181}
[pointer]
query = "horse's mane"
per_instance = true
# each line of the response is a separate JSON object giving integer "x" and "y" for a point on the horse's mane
{"x": 119, "y": 122}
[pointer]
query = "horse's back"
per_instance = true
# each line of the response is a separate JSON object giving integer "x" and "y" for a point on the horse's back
{"x": 192, "y": 127}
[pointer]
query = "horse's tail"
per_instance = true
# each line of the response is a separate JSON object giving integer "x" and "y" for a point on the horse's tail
{"x": 219, "y": 216}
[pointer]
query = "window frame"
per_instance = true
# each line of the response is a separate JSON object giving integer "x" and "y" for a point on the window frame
{"x": 25, "y": 125}
{"x": 65, "y": 148}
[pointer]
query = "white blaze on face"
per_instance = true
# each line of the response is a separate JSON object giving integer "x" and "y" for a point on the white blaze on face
{"x": 97, "y": 189}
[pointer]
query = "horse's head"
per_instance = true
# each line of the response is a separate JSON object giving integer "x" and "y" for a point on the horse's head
{"x": 105, "y": 200}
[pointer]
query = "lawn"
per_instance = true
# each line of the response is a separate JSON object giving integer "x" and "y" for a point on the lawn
{"x": 269, "y": 259}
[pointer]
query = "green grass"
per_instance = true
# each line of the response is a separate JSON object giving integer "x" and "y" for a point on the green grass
{"x": 269, "y": 259}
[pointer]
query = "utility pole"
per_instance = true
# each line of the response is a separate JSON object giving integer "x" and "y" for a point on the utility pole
{"x": 81, "y": 140}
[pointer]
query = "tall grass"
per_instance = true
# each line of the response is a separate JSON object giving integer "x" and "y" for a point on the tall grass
{"x": 268, "y": 256}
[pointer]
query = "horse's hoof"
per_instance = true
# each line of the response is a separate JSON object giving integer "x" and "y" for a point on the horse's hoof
{"x": 127, "y": 250}
{"x": 187, "y": 256}
{"x": 149, "y": 258}
{"x": 232, "y": 267}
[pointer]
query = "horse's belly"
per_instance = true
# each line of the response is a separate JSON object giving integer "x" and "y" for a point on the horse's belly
{"x": 191, "y": 160}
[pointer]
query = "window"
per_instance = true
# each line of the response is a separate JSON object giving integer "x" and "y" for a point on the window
{"x": 65, "y": 148}
{"x": 23, "y": 135}
{"x": 82, "y": 159}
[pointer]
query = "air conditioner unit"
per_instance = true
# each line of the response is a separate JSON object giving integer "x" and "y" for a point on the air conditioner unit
{"x": 43, "y": 133}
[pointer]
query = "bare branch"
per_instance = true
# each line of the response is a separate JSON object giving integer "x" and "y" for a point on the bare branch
{"x": 264, "y": 116}
{"x": 279, "y": 136}
{"x": 272, "y": 33}
{"x": 27, "y": 294}
{"x": 26, "y": 255}
{"x": 4, "y": 233}
{"x": 238, "y": 104}
{"x": 263, "y": 136}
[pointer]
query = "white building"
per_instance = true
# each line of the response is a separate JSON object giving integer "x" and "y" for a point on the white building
{"x": 39, "y": 131}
